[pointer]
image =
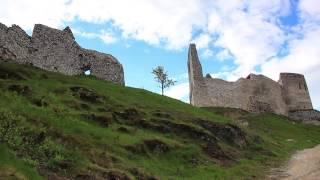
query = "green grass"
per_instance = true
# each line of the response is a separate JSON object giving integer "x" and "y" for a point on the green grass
{"x": 12, "y": 166}
{"x": 88, "y": 146}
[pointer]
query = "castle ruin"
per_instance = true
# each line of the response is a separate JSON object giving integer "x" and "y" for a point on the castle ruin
{"x": 57, "y": 51}
{"x": 256, "y": 93}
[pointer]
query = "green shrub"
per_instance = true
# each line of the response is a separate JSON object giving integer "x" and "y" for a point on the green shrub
{"x": 10, "y": 131}
{"x": 32, "y": 144}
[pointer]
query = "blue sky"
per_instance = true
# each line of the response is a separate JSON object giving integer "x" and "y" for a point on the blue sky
{"x": 234, "y": 37}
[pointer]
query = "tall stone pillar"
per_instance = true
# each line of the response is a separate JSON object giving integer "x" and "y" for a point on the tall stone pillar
{"x": 198, "y": 90}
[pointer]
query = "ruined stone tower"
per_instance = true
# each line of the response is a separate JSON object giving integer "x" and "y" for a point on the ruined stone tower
{"x": 255, "y": 93}
{"x": 56, "y": 50}
{"x": 295, "y": 91}
{"x": 196, "y": 83}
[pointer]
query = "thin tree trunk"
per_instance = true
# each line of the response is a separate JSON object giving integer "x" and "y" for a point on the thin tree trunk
{"x": 162, "y": 88}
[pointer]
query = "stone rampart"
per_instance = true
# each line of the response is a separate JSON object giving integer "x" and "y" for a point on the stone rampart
{"x": 256, "y": 93}
{"x": 309, "y": 116}
{"x": 55, "y": 50}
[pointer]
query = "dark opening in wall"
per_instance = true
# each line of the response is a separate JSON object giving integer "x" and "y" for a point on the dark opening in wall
{"x": 87, "y": 72}
{"x": 300, "y": 86}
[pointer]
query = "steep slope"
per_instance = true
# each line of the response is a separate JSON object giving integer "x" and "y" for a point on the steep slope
{"x": 60, "y": 127}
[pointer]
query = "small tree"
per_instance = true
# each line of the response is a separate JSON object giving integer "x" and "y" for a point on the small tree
{"x": 162, "y": 77}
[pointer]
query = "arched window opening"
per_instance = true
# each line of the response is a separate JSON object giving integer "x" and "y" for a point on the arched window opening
{"x": 87, "y": 72}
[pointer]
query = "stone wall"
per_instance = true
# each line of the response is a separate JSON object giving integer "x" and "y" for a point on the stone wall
{"x": 256, "y": 93}
{"x": 295, "y": 91}
{"x": 56, "y": 50}
{"x": 308, "y": 116}
{"x": 14, "y": 43}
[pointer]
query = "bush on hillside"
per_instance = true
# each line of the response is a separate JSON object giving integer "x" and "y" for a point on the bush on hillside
{"x": 32, "y": 144}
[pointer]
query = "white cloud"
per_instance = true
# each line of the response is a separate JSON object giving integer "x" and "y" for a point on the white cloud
{"x": 224, "y": 55}
{"x": 310, "y": 9}
{"x": 156, "y": 21}
{"x": 202, "y": 40}
{"x": 180, "y": 91}
{"x": 181, "y": 77}
{"x": 251, "y": 36}
{"x": 106, "y": 36}
{"x": 269, "y": 9}
{"x": 226, "y": 75}
{"x": 207, "y": 53}
{"x": 27, "y": 13}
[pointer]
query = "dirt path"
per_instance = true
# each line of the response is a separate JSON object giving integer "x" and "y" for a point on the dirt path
{"x": 304, "y": 165}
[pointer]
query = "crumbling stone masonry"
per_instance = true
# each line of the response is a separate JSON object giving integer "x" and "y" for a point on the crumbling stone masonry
{"x": 307, "y": 116}
{"x": 256, "y": 93}
{"x": 56, "y": 50}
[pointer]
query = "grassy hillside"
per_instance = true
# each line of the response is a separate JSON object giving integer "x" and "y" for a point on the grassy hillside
{"x": 56, "y": 126}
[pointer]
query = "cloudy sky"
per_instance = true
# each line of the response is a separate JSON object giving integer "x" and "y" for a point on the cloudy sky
{"x": 234, "y": 37}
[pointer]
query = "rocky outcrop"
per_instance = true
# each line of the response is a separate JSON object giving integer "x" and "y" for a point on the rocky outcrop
{"x": 56, "y": 50}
